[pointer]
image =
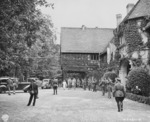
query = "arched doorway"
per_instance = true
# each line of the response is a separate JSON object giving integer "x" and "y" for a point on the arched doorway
{"x": 125, "y": 68}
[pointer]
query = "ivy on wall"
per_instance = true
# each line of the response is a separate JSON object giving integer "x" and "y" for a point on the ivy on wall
{"x": 117, "y": 55}
{"x": 137, "y": 62}
{"x": 132, "y": 37}
{"x": 116, "y": 38}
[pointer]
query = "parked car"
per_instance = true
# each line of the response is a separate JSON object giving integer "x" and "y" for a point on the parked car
{"x": 3, "y": 83}
{"x": 38, "y": 82}
{"x": 46, "y": 84}
{"x": 34, "y": 79}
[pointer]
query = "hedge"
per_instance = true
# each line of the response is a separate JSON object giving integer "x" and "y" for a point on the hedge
{"x": 138, "y": 98}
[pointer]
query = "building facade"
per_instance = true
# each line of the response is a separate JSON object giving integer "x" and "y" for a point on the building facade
{"x": 132, "y": 38}
{"x": 80, "y": 49}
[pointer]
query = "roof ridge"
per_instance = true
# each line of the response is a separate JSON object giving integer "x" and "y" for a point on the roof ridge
{"x": 86, "y": 28}
{"x": 128, "y": 14}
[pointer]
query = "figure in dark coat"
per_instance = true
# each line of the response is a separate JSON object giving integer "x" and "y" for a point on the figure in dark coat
{"x": 103, "y": 85}
{"x": 109, "y": 87}
{"x": 55, "y": 86}
{"x": 119, "y": 94}
{"x": 33, "y": 90}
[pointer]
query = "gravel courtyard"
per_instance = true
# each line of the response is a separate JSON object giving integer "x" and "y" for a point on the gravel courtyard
{"x": 71, "y": 106}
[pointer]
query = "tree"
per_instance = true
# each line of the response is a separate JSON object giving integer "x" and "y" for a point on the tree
{"x": 44, "y": 53}
{"x": 20, "y": 22}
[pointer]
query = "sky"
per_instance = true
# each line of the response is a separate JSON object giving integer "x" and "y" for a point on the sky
{"x": 91, "y": 13}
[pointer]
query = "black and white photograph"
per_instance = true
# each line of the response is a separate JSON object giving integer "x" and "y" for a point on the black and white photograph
{"x": 74, "y": 60}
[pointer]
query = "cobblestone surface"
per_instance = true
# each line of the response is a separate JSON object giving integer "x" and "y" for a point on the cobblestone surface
{"x": 71, "y": 106}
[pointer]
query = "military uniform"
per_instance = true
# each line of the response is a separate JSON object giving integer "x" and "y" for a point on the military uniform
{"x": 119, "y": 94}
{"x": 33, "y": 90}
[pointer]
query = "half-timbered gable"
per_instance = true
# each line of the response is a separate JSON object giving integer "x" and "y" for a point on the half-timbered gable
{"x": 80, "y": 48}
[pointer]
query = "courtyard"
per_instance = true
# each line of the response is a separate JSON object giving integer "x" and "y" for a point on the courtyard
{"x": 71, "y": 106}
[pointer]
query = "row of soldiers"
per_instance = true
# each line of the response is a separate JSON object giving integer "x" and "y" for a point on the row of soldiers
{"x": 106, "y": 85}
{"x": 85, "y": 83}
{"x": 90, "y": 83}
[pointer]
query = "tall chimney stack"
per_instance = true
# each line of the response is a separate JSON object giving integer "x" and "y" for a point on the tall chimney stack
{"x": 119, "y": 19}
{"x": 129, "y": 7}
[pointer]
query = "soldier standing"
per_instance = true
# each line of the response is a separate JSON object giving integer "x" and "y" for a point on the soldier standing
{"x": 55, "y": 86}
{"x": 103, "y": 86}
{"x": 89, "y": 83}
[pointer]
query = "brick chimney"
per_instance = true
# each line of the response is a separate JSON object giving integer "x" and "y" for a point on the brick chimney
{"x": 118, "y": 18}
{"x": 129, "y": 7}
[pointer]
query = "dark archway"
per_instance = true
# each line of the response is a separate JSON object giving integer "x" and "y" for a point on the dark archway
{"x": 125, "y": 68}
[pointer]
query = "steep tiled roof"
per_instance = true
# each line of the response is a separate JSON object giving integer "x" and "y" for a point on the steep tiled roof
{"x": 141, "y": 9}
{"x": 88, "y": 40}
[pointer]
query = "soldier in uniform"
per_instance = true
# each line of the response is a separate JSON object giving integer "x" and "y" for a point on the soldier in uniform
{"x": 103, "y": 85}
{"x": 55, "y": 86}
{"x": 33, "y": 90}
{"x": 119, "y": 94}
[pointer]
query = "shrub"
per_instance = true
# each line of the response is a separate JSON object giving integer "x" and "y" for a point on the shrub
{"x": 138, "y": 98}
{"x": 139, "y": 77}
{"x": 110, "y": 75}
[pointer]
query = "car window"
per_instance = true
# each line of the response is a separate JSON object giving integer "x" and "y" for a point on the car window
{"x": 3, "y": 81}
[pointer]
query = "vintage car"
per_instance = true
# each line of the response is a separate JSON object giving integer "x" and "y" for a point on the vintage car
{"x": 34, "y": 79}
{"x": 3, "y": 83}
{"x": 46, "y": 84}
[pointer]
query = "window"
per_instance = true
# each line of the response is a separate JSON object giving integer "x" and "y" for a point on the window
{"x": 94, "y": 57}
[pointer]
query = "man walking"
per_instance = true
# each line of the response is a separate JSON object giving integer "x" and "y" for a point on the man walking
{"x": 84, "y": 83}
{"x": 94, "y": 81}
{"x": 89, "y": 83}
{"x": 64, "y": 84}
{"x": 55, "y": 86}
{"x": 69, "y": 83}
{"x": 33, "y": 90}
{"x": 74, "y": 83}
{"x": 109, "y": 87}
{"x": 103, "y": 86}
{"x": 119, "y": 94}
